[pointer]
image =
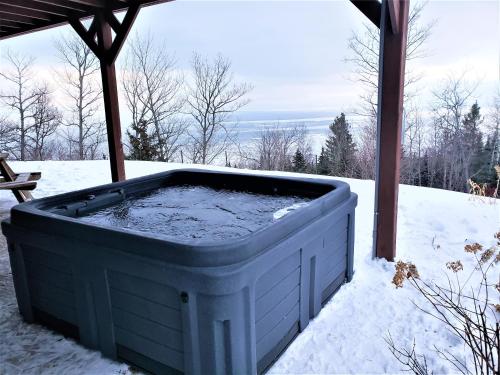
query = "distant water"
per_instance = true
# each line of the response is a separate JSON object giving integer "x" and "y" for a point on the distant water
{"x": 250, "y": 125}
{"x": 263, "y": 116}
{"x": 317, "y": 129}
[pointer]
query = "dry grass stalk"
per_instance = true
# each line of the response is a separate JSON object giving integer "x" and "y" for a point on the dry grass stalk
{"x": 471, "y": 316}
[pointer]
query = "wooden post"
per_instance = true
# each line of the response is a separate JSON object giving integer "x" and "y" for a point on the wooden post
{"x": 106, "y": 49}
{"x": 393, "y": 36}
{"x": 111, "y": 106}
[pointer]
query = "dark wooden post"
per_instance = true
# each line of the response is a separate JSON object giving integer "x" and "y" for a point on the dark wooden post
{"x": 106, "y": 49}
{"x": 111, "y": 105}
{"x": 393, "y": 36}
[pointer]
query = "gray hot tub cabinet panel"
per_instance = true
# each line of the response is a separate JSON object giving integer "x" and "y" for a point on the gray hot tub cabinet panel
{"x": 133, "y": 298}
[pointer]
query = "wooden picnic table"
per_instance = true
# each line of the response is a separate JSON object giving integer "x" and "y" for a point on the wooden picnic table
{"x": 19, "y": 183}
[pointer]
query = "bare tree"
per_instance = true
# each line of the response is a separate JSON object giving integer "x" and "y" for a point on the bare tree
{"x": 212, "y": 98}
{"x": 450, "y": 104}
{"x": 46, "y": 119}
{"x": 413, "y": 147}
{"x": 273, "y": 150}
{"x": 8, "y": 136}
{"x": 493, "y": 128}
{"x": 152, "y": 90}
{"x": 367, "y": 150}
{"x": 364, "y": 48}
{"x": 21, "y": 97}
{"x": 81, "y": 66}
{"x": 364, "y": 56}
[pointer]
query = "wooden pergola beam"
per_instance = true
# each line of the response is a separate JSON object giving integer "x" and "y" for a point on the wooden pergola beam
{"x": 92, "y": 3}
{"x": 53, "y": 13}
{"x": 370, "y": 8}
{"x": 394, "y": 14}
{"x": 121, "y": 31}
{"x": 67, "y": 4}
{"x": 16, "y": 18}
{"x": 9, "y": 24}
{"x": 27, "y": 12}
{"x": 111, "y": 105}
{"x": 107, "y": 49}
{"x": 87, "y": 35}
{"x": 389, "y": 123}
{"x": 50, "y": 9}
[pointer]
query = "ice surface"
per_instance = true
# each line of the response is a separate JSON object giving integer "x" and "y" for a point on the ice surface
{"x": 197, "y": 212}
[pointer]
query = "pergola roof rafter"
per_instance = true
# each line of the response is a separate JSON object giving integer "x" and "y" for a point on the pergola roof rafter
{"x": 46, "y": 8}
{"x": 68, "y": 4}
{"x": 18, "y": 17}
{"x": 372, "y": 9}
{"x": 25, "y": 12}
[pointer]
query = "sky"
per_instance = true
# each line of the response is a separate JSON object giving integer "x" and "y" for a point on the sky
{"x": 293, "y": 52}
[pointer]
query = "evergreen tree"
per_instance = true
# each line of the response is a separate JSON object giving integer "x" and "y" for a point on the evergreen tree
{"x": 141, "y": 143}
{"x": 340, "y": 148}
{"x": 322, "y": 166}
{"x": 424, "y": 171}
{"x": 299, "y": 162}
{"x": 486, "y": 173}
{"x": 472, "y": 145}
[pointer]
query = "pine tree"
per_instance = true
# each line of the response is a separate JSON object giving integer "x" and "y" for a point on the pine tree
{"x": 340, "y": 148}
{"x": 472, "y": 149}
{"x": 141, "y": 143}
{"x": 322, "y": 166}
{"x": 424, "y": 171}
{"x": 299, "y": 162}
{"x": 486, "y": 173}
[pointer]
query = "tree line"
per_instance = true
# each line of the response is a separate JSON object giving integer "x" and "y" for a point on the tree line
{"x": 450, "y": 144}
{"x": 172, "y": 117}
{"x": 455, "y": 147}
{"x": 184, "y": 116}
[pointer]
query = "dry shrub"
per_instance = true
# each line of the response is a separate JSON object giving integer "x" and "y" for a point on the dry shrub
{"x": 470, "y": 312}
{"x": 404, "y": 271}
{"x": 487, "y": 255}
{"x": 496, "y": 192}
{"x": 482, "y": 191}
{"x": 473, "y": 248}
{"x": 477, "y": 190}
{"x": 455, "y": 266}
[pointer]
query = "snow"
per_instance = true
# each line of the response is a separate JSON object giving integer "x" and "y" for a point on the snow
{"x": 285, "y": 211}
{"x": 348, "y": 334}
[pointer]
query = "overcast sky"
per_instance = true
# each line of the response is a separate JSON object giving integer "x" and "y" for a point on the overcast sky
{"x": 293, "y": 52}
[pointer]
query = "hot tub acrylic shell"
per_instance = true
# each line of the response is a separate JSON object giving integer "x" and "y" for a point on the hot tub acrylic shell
{"x": 168, "y": 306}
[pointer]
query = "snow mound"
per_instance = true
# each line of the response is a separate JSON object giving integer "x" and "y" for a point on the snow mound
{"x": 284, "y": 211}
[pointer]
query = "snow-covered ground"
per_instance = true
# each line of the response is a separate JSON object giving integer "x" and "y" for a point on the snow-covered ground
{"x": 348, "y": 334}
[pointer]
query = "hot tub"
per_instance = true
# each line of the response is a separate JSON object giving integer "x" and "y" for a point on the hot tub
{"x": 225, "y": 293}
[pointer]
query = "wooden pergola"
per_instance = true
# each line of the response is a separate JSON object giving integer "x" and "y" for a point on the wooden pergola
{"x": 19, "y": 17}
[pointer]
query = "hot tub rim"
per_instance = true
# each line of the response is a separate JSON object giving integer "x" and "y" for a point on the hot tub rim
{"x": 29, "y": 216}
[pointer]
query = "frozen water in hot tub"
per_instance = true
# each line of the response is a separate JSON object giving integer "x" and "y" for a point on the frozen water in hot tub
{"x": 187, "y": 212}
